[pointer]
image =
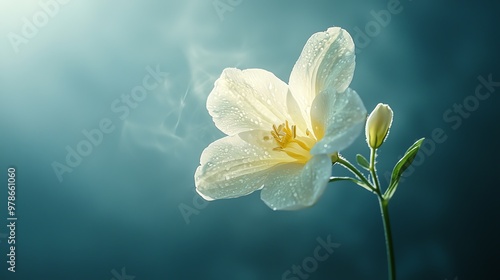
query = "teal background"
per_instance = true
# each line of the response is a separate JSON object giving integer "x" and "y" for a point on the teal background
{"x": 121, "y": 206}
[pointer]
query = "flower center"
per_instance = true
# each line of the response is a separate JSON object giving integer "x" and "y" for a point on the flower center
{"x": 293, "y": 145}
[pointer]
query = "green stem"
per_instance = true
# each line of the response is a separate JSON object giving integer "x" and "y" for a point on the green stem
{"x": 388, "y": 237}
{"x": 373, "y": 171}
{"x": 384, "y": 210}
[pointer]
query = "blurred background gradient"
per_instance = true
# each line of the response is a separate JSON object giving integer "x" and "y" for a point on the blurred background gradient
{"x": 128, "y": 207}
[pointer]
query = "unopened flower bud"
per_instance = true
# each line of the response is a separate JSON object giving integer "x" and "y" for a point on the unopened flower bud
{"x": 378, "y": 125}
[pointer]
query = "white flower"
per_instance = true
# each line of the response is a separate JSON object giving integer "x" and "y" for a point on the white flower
{"x": 281, "y": 137}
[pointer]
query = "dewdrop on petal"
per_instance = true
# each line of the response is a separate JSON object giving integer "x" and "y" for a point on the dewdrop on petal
{"x": 378, "y": 125}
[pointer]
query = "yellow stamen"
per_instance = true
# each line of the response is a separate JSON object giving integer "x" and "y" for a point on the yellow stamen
{"x": 288, "y": 141}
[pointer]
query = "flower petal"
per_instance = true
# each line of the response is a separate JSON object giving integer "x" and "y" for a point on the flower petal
{"x": 236, "y": 165}
{"x": 296, "y": 114}
{"x": 326, "y": 62}
{"x": 337, "y": 119}
{"x": 247, "y": 100}
{"x": 294, "y": 186}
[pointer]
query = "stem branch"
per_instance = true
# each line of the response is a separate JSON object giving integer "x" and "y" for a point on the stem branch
{"x": 342, "y": 161}
{"x": 384, "y": 210}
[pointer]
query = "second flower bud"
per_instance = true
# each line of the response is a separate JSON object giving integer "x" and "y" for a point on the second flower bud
{"x": 378, "y": 125}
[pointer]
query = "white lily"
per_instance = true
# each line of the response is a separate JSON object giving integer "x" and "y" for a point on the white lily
{"x": 281, "y": 137}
